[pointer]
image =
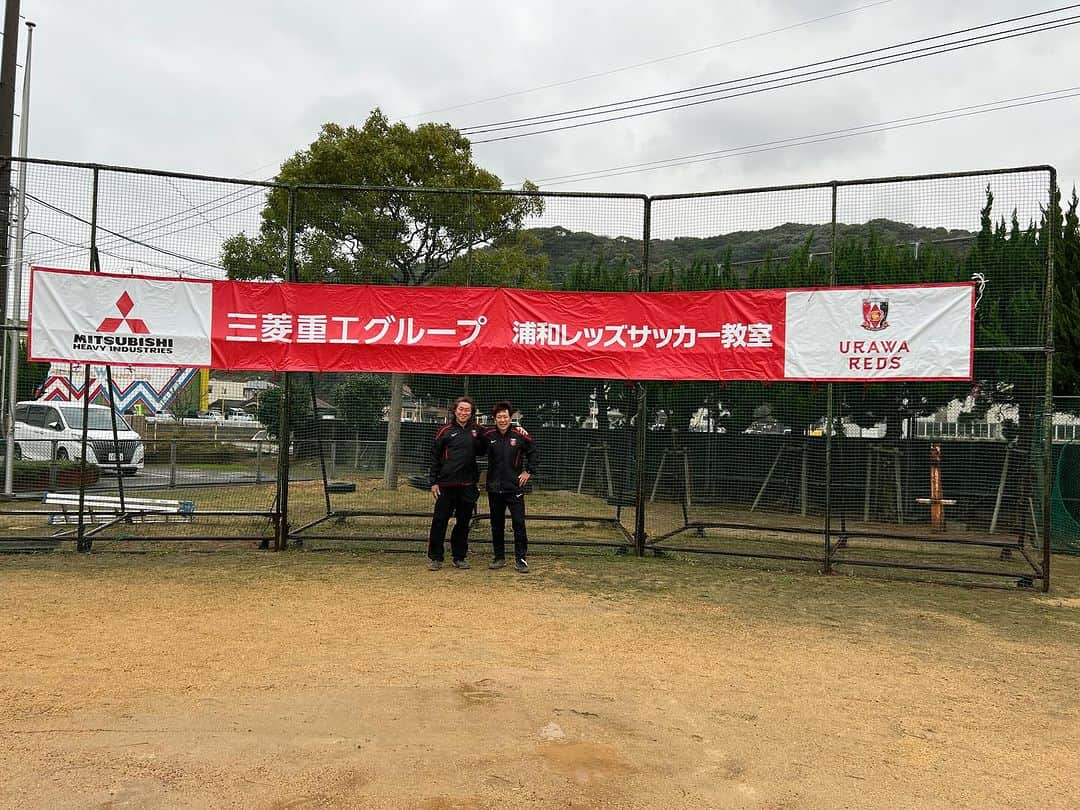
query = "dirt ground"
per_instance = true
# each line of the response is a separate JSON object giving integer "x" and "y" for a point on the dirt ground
{"x": 304, "y": 680}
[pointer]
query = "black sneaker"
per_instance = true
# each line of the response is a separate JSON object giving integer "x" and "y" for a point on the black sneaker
{"x": 434, "y": 565}
{"x": 462, "y": 564}
{"x": 498, "y": 562}
{"x": 521, "y": 566}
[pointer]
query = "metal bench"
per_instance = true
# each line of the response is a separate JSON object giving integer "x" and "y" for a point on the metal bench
{"x": 105, "y": 509}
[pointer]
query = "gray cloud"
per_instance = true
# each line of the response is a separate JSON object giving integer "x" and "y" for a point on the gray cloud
{"x": 234, "y": 88}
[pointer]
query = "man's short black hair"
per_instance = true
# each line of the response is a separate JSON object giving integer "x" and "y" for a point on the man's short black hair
{"x": 502, "y": 405}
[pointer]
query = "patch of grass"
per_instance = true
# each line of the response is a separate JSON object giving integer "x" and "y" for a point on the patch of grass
{"x": 400, "y": 531}
{"x": 756, "y": 589}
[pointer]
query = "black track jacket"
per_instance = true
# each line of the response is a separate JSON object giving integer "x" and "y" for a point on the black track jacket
{"x": 508, "y": 454}
{"x": 453, "y": 456}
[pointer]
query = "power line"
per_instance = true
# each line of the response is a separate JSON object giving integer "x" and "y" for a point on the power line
{"x": 178, "y": 216}
{"x": 752, "y": 92}
{"x": 146, "y": 245}
{"x": 776, "y": 83}
{"x": 821, "y": 137}
{"x": 853, "y": 129}
{"x": 144, "y": 231}
{"x": 194, "y": 208}
{"x": 648, "y": 62}
{"x": 677, "y": 94}
{"x": 166, "y": 268}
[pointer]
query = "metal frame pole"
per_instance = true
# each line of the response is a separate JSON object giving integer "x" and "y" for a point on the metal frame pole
{"x": 281, "y": 540}
{"x": 642, "y": 405}
{"x": 830, "y": 427}
{"x": 16, "y": 271}
{"x": 83, "y": 543}
{"x": 1048, "y": 382}
{"x": 8, "y": 59}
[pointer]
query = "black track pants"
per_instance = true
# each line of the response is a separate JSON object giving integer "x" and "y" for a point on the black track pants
{"x": 500, "y": 503}
{"x": 460, "y": 503}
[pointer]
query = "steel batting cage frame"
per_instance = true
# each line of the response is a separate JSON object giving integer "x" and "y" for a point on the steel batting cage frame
{"x": 952, "y": 477}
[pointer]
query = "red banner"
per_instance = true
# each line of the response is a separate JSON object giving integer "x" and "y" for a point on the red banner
{"x": 903, "y": 332}
{"x": 453, "y": 330}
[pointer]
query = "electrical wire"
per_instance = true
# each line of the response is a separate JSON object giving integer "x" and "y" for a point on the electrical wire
{"x": 806, "y": 140}
{"x": 146, "y": 245}
{"x": 145, "y": 262}
{"x": 789, "y": 81}
{"x": 177, "y": 217}
{"x": 648, "y": 62}
{"x": 677, "y": 93}
{"x": 140, "y": 232}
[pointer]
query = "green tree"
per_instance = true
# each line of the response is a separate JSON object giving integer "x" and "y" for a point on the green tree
{"x": 360, "y": 399}
{"x": 269, "y": 410}
{"x": 1067, "y": 304}
{"x": 513, "y": 261}
{"x": 186, "y": 403}
{"x": 31, "y": 375}
{"x": 395, "y": 229}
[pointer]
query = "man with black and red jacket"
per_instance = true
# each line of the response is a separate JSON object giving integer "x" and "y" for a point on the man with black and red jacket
{"x": 454, "y": 477}
{"x": 512, "y": 461}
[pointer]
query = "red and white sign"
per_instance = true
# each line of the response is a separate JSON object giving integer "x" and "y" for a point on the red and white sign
{"x": 830, "y": 334}
{"x": 119, "y": 320}
{"x": 895, "y": 333}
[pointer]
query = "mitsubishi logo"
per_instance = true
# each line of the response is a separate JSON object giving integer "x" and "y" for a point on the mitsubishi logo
{"x": 125, "y": 305}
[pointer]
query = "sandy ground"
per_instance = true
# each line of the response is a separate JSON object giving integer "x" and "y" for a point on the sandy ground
{"x": 297, "y": 680}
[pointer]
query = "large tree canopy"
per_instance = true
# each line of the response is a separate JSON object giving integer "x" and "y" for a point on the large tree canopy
{"x": 397, "y": 224}
{"x": 399, "y": 235}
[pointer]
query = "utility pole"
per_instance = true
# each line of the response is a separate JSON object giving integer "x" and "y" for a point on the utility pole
{"x": 7, "y": 130}
{"x": 16, "y": 308}
{"x": 7, "y": 127}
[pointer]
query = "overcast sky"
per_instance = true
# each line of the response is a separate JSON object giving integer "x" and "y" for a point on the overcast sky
{"x": 233, "y": 87}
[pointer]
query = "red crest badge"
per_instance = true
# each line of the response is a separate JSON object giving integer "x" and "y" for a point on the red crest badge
{"x": 875, "y": 314}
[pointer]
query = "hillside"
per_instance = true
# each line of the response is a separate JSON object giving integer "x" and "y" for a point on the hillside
{"x": 564, "y": 248}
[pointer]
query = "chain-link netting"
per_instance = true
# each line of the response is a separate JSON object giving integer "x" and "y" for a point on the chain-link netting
{"x": 372, "y": 435}
{"x": 959, "y": 467}
{"x": 726, "y": 458}
{"x": 1065, "y": 481}
{"x": 184, "y": 462}
{"x": 929, "y": 476}
{"x": 923, "y": 475}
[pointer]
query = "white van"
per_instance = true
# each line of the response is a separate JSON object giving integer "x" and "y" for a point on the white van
{"x": 240, "y": 416}
{"x": 44, "y": 430}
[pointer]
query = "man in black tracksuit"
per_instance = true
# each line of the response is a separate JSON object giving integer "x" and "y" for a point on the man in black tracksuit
{"x": 512, "y": 461}
{"x": 454, "y": 477}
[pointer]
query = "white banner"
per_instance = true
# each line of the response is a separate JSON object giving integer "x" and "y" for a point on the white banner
{"x": 118, "y": 319}
{"x": 881, "y": 333}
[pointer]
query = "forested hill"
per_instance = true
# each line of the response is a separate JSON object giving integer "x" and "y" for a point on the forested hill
{"x": 565, "y": 248}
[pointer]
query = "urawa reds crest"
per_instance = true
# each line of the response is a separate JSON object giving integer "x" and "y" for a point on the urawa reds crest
{"x": 875, "y": 314}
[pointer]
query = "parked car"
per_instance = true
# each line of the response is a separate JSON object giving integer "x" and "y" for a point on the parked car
{"x": 46, "y": 430}
{"x": 240, "y": 416}
{"x": 161, "y": 418}
{"x": 768, "y": 428}
{"x": 262, "y": 442}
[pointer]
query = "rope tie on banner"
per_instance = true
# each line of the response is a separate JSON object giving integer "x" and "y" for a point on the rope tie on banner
{"x": 980, "y": 280}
